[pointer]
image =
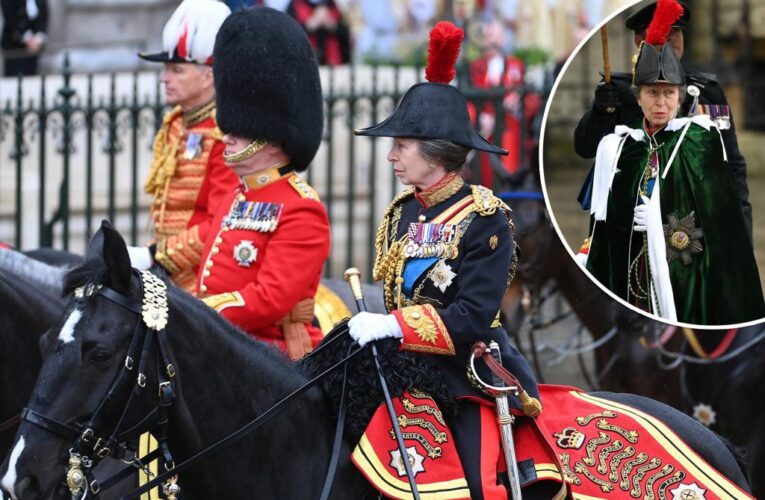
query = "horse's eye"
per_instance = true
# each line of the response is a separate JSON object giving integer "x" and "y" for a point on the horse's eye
{"x": 100, "y": 356}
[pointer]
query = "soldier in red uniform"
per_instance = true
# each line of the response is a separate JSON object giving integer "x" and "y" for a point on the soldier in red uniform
{"x": 263, "y": 262}
{"x": 188, "y": 177}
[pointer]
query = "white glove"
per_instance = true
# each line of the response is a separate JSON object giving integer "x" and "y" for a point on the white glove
{"x": 581, "y": 259}
{"x": 641, "y": 215}
{"x": 140, "y": 258}
{"x": 366, "y": 327}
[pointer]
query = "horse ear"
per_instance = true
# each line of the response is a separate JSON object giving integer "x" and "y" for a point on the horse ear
{"x": 116, "y": 258}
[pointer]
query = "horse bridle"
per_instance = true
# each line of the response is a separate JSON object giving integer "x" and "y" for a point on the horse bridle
{"x": 91, "y": 444}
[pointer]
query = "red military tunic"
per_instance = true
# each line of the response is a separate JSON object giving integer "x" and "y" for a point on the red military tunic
{"x": 189, "y": 182}
{"x": 267, "y": 255}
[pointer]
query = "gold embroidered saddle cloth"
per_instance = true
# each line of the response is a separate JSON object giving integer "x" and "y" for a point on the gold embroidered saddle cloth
{"x": 610, "y": 450}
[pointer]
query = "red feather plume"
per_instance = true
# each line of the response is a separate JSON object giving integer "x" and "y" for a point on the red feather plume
{"x": 443, "y": 50}
{"x": 667, "y": 12}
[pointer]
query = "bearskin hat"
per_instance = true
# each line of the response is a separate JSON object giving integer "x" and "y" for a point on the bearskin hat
{"x": 189, "y": 34}
{"x": 267, "y": 82}
{"x": 435, "y": 109}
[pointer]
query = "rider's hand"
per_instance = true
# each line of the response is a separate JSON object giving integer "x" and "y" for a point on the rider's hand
{"x": 606, "y": 98}
{"x": 641, "y": 215}
{"x": 140, "y": 258}
{"x": 366, "y": 327}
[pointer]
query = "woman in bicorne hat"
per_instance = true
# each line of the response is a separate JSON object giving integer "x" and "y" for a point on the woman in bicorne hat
{"x": 668, "y": 235}
{"x": 445, "y": 254}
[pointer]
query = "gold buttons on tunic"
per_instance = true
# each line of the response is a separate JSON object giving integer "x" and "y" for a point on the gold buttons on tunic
{"x": 218, "y": 240}
{"x": 415, "y": 315}
{"x": 206, "y": 273}
{"x": 208, "y": 264}
{"x": 203, "y": 289}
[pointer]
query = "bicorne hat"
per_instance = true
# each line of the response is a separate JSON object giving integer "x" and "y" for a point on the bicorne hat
{"x": 189, "y": 34}
{"x": 267, "y": 83}
{"x": 656, "y": 61}
{"x": 435, "y": 109}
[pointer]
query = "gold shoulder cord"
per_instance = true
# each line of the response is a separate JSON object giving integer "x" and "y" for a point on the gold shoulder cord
{"x": 389, "y": 252}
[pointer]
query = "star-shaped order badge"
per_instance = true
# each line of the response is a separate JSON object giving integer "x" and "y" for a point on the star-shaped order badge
{"x": 442, "y": 275}
{"x": 688, "y": 492}
{"x": 245, "y": 253}
{"x": 682, "y": 238}
{"x": 705, "y": 414}
{"x": 415, "y": 460}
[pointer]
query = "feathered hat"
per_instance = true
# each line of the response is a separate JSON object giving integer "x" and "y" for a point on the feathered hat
{"x": 642, "y": 18}
{"x": 189, "y": 34}
{"x": 435, "y": 109}
{"x": 267, "y": 83}
{"x": 656, "y": 61}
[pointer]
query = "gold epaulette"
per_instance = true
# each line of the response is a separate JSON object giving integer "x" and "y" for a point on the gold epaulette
{"x": 485, "y": 201}
{"x": 303, "y": 188}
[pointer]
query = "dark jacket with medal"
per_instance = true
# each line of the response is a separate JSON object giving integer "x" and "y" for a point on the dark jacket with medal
{"x": 446, "y": 258}
{"x": 595, "y": 124}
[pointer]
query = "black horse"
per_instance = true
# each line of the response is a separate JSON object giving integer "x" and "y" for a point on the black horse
{"x": 223, "y": 379}
{"x": 26, "y": 314}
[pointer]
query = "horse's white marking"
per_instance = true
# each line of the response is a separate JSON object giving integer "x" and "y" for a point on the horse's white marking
{"x": 67, "y": 331}
{"x": 9, "y": 480}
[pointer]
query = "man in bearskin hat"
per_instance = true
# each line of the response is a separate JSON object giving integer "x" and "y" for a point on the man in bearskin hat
{"x": 615, "y": 104}
{"x": 263, "y": 260}
{"x": 188, "y": 178}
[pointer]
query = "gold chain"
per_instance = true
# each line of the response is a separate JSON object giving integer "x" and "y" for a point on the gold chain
{"x": 248, "y": 152}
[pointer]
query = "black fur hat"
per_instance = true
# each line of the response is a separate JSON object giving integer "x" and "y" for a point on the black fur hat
{"x": 267, "y": 82}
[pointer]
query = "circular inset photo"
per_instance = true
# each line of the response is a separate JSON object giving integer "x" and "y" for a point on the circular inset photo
{"x": 653, "y": 161}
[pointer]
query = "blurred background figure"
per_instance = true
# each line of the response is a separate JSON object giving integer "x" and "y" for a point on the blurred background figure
{"x": 496, "y": 68}
{"x": 25, "y": 23}
{"x": 378, "y": 37}
{"x": 327, "y": 31}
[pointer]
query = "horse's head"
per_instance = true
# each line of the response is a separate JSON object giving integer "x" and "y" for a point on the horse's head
{"x": 98, "y": 380}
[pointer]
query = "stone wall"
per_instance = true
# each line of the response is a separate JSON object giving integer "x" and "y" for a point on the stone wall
{"x": 104, "y": 35}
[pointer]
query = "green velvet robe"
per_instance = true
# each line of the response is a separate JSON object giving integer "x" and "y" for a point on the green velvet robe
{"x": 721, "y": 285}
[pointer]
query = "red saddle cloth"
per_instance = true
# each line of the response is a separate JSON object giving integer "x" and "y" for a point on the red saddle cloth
{"x": 432, "y": 455}
{"x": 610, "y": 450}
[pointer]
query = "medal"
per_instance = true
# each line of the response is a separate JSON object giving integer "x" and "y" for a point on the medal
{"x": 245, "y": 253}
{"x": 193, "y": 146}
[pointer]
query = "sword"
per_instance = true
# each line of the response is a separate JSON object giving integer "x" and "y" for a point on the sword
{"x": 505, "y": 419}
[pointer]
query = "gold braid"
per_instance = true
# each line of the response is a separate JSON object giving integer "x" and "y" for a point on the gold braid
{"x": 389, "y": 259}
{"x": 164, "y": 157}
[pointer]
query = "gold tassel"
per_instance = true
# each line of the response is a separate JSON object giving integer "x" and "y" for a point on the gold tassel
{"x": 531, "y": 406}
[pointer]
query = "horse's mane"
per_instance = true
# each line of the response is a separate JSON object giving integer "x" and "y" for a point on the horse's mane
{"x": 44, "y": 276}
{"x": 403, "y": 371}
{"x": 17, "y": 293}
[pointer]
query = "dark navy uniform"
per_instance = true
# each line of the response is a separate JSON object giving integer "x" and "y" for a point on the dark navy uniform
{"x": 446, "y": 258}
{"x": 595, "y": 124}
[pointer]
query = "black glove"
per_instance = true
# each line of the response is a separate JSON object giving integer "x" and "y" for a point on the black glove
{"x": 606, "y": 98}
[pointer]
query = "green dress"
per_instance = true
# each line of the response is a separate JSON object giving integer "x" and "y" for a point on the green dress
{"x": 711, "y": 266}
